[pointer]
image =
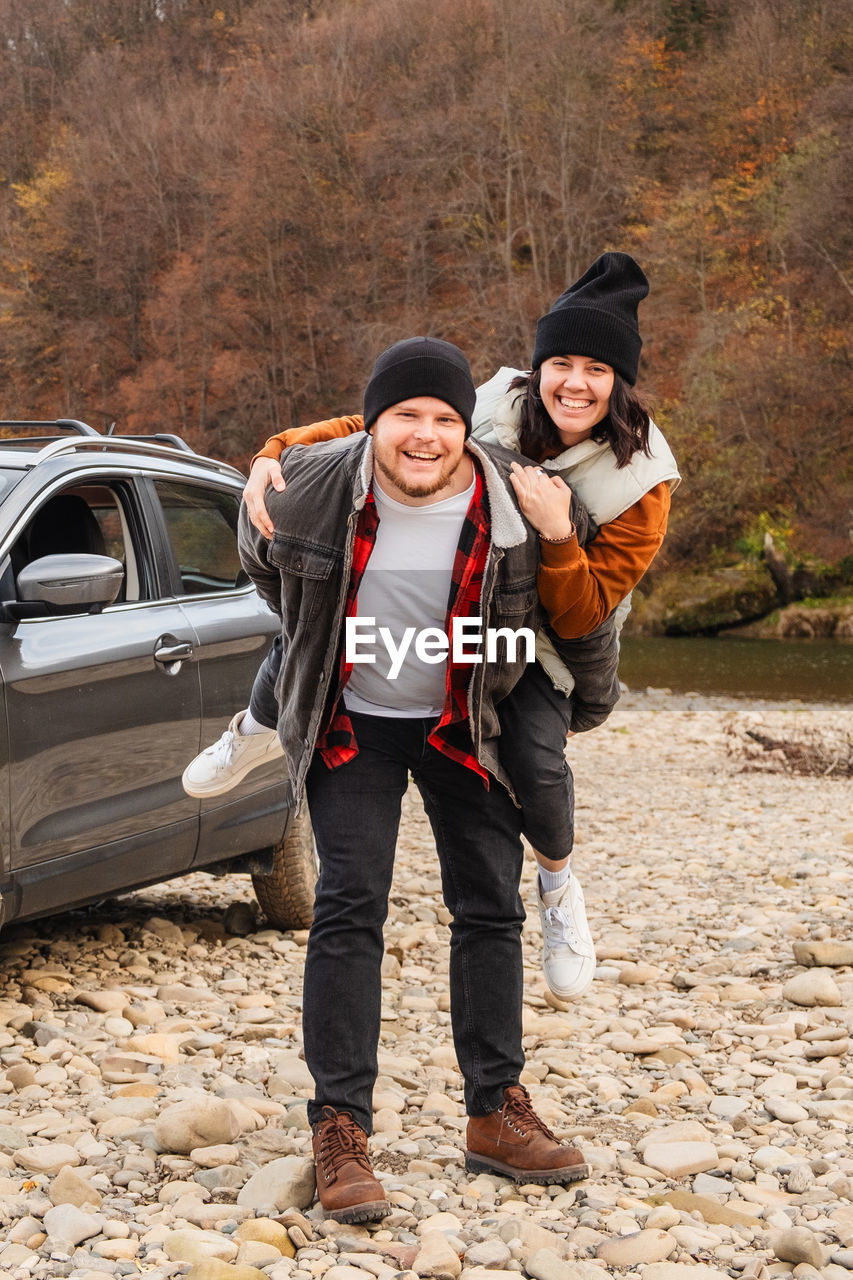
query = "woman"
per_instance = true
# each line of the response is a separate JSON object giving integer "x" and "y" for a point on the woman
{"x": 578, "y": 417}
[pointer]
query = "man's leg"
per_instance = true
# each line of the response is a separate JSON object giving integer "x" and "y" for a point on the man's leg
{"x": 250, "y": 740}
{"x": 355, "y": 813}
{"x": 477, "y": 835}
{"x": 480, "y": 853}
{"x": 535, "y": 720}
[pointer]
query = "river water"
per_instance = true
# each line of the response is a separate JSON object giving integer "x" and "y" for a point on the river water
{"x": 811, "y": 670}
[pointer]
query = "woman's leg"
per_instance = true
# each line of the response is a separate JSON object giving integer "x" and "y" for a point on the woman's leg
{"x": 535, "y": 722}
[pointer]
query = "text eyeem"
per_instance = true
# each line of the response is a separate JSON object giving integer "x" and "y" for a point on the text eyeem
{"x": 465, "y": 645}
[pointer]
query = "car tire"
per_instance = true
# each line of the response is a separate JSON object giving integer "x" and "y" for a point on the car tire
{"x": 286, "y": 894}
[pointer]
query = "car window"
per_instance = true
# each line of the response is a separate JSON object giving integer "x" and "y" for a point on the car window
{"x": 92, "y": 518}
{"x": 202, "y": 527}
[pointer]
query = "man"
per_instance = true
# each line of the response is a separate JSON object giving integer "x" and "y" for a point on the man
{"x": 408, "y": 529}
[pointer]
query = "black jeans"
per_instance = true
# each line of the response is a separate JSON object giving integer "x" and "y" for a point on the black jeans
{"x": 535, "y": 719}
{"x": 263, "y": 703}
{"x": 355, "y": 812}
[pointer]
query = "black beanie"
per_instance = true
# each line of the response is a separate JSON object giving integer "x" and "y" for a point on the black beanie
{"x": 420, "y": 367}
{"x": 597, "y": 317}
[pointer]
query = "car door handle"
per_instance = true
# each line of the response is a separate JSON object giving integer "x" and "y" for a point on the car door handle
{"x": 169, "y": 653}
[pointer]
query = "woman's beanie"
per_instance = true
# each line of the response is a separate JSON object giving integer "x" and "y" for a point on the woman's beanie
{"x": 597, "y": 317}
{"x": 420, "y": 367}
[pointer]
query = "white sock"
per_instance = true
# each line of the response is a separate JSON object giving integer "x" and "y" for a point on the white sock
{"x": 553, "y": 880}
{"x": 250, "y": 725}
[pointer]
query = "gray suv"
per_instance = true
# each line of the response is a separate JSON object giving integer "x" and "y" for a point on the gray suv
{"x": 129, "y": 634}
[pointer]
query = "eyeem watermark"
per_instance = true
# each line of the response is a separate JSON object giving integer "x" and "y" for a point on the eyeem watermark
{"x": 467, "y": 644}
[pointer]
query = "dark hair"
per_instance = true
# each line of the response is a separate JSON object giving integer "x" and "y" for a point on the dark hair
{"x": 625, "y": 428}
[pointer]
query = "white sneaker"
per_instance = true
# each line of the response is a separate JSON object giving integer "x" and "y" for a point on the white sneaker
{"x": 220, "y": 767}
{"x": 568, "y": 956}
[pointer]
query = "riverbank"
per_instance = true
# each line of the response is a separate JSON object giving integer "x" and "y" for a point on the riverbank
{"x": 738, "y": 600}
{"x": 706, "y": 1074}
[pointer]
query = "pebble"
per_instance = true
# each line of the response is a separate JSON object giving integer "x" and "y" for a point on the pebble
{"x": 200, "y": 1121}
{"x": 437, "y": 1257}
{"x": 152, "y": 1087}
{"x": 798, "y": 1244}
{"x": 281, "y": 1184}
{"x": 826, "y": 954}
{"x": 68, "y": 1223}
{"x": 786, "y": 1110}
{"x": 649, "y": 1245}
{"x": 677, "y": 1159}
{"x": 814, "y": 987}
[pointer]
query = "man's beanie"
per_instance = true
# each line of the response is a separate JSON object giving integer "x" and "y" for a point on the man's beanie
{"x": 597, "y": 317}
{"x": 420, "y": 367}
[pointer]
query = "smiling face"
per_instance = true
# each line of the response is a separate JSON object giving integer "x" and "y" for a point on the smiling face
{"x": 575, "y": 391}
{"x": 419, "y": 451}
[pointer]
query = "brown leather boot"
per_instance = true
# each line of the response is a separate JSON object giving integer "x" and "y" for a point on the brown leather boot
{"x": 347, "y": 1189}
{"x": 515, "y": 1142}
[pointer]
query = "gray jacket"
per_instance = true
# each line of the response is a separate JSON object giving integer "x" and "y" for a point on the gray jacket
{"x": 304, "y": 571}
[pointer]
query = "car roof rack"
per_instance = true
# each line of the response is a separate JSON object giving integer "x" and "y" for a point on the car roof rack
{"x": 64, "y": 424}
{"x": 132, "y": 444}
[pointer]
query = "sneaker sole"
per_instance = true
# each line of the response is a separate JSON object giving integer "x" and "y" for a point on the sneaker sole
{"x": 544, "y": 1177}
{"x": 200, "y": 791}
{"x": 369, "y": 1211}
{"x": 570, "y": 993}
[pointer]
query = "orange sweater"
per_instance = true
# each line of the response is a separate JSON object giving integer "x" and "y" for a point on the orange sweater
{"x": 579, "y": 588}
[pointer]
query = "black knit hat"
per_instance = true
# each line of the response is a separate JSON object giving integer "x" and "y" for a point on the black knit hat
{"x": 597, "y": 317}
{"x": 420, "y": 367}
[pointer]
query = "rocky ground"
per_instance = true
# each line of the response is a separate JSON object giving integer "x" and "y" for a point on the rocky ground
{"x": 152, "y": 1113}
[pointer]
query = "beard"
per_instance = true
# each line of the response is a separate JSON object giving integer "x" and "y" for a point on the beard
{"x": 413, "y": 490}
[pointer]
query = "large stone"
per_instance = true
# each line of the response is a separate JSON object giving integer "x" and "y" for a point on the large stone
{"x": 67, "y": 1223}
{"x": 814, "y": 987}
{"x": 786, "y": 1110}
{"x": 12, "y": 1139}
{"x": 495, "y": 1254}
{"x": 268, "y": 1232}
{"x": 710, "y": 1209}
{"x": 47, "y": 1159}
{"x": 69, "y": 1187}
{"x": 201, "y": 1121}
{"x": 831, "y": 953}
{"x": 798, "y": 1244}
{"x": 288, "y": 1182}
{"x": 532, "y": 1237}
{"x": 677, "y": 1159}
{"x": 679, "y": 1131}
{"x": 106, "y": 1001}
{"x": 709, "y": 601}
{"x": 198, "y": 1246}
{"x": 545, "y": 1264}
{"x": 652, "y": 1245}
{"x": 437, "y": 1257}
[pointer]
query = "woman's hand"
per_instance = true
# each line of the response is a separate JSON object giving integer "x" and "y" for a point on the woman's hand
{"x": 265, "y": 471}
{"x": 545, "y": 500}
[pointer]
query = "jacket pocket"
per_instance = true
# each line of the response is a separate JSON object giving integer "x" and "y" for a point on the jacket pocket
{"x": 304, "y": 559}
{"x": 515, "y": 599}
{"x": 309, "y": 583}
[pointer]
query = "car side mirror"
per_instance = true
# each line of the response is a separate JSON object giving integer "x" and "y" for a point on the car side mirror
{"x": 67, "y": 583}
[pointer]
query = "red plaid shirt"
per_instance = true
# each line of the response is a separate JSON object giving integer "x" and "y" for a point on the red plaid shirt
{"x": 452, "y": 734}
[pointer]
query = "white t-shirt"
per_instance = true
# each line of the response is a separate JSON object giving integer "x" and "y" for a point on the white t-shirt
{"x": 406, "y": 585}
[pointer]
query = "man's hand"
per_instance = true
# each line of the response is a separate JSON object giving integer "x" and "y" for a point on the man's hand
{"x": 265, "y": 471}
{"x": 545, "y": 500}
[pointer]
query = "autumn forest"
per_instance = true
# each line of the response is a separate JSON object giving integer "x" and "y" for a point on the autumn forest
{"x": 216, "y": 212}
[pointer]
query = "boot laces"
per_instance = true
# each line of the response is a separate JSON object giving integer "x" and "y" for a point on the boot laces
{"x": 518, "y": 1113}
{"x": 342, "y": 1142}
